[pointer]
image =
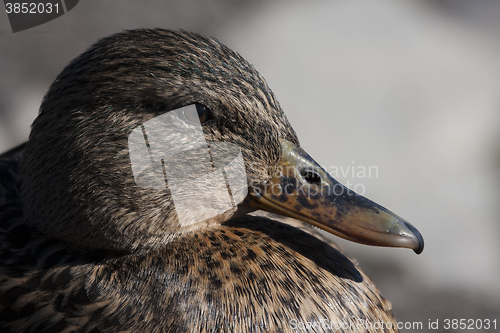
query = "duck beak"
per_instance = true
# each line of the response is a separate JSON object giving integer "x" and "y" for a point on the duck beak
{"x": 301, "y": 189}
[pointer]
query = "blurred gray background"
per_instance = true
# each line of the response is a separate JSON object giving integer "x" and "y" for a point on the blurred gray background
{"x": 409, "y": 87}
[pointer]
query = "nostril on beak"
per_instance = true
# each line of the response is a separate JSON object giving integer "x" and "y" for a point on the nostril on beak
{"x": 310, "y": 176}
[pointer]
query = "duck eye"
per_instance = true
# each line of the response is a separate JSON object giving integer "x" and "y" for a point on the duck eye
{"x": 202, "y": 114}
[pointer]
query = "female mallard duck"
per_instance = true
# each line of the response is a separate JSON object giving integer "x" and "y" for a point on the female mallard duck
{"x": 93, "y": 241}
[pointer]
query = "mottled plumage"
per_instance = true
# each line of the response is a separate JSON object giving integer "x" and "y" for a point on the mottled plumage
{"x": 84, "y": 249}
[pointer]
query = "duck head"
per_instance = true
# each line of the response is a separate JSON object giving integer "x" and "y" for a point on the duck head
{"x": 135, "y": 131}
